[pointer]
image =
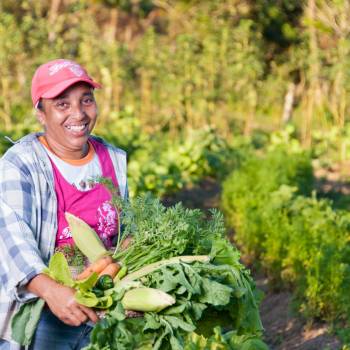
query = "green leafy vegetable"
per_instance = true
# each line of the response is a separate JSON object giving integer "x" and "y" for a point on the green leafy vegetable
{"x": 90, "y": 299}
{"x": 59, "y": 270}
{"x": 25, "y": 321}
{"x": 228, "y": 341}
{"x": 87, "y": 283}
{"x": 199, "y": 289}
{"x": 211, "y": 288}
{"x": 160, "y": 233}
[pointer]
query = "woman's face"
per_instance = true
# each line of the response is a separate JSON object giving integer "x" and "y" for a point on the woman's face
{"x": 68, "y": 120}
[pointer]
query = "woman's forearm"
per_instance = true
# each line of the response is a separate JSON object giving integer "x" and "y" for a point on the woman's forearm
{"x": 42, "y": 285}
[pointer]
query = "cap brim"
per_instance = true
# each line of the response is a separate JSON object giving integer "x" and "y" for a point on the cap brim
{"x": 59, "y": 88}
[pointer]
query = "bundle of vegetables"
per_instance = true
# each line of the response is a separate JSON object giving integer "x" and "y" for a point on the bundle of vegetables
{"x": 179, "y": 271}
{"x": 206, "y": 295}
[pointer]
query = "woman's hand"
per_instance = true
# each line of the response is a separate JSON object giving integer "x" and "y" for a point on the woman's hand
{"x": 60, "y": 300}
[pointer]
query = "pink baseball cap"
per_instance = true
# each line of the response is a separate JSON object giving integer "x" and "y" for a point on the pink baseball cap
{"x": 53, "y": 77}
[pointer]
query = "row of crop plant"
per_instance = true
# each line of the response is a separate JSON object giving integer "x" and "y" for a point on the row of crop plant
{"x": 299, "y": 240}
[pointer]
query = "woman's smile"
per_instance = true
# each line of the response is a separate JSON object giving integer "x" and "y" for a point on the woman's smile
{"x": 77, "y": 129}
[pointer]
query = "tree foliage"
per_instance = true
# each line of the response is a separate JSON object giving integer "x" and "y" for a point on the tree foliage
{"x": 235, "y": 64}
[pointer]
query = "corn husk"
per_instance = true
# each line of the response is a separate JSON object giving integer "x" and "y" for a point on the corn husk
{"x": 86, "y": 238}
{"x": 146, "y": 300}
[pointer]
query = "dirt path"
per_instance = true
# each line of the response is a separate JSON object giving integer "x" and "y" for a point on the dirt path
{"x": 283, "y": 329}
{"x": 286, "y": 331}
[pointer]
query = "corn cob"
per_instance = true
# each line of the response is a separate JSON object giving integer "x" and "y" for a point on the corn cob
{"x": 146, "y": 300}
{"x": 86, "y": 238}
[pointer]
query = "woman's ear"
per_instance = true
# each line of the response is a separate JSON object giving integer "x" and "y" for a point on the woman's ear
{"x": 40, "y": 116}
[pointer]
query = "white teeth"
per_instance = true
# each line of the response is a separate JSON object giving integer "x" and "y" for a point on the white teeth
{"x": 76, "y": 127}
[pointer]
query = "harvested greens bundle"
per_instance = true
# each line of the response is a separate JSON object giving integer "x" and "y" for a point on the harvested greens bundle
{"x": 214, "y": 295}
{"x": 179, "y": 271}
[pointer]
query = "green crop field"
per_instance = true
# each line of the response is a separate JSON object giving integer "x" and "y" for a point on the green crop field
{"x": 254, "y": 95}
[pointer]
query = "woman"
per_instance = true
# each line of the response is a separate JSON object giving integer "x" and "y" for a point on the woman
{"x": 41, "y": 177}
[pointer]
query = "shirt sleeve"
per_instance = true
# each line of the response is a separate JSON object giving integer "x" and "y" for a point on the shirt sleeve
{"x": 20, "y": 256}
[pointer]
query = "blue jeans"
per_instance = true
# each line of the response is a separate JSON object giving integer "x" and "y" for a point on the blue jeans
{"x": 4, "y": 345}
{"x": 53, "y": 334}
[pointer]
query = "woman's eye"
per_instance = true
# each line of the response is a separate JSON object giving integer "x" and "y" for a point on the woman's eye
{"x": 62, "y": 105}
{"x": 88, "y": 100}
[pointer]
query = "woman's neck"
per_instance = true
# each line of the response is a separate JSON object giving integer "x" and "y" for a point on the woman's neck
{"x": 65, "y": 153}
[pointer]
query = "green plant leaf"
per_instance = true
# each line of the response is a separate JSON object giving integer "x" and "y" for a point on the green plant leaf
{"x": 24, "y": 322}
{"x": 59, "y": 270}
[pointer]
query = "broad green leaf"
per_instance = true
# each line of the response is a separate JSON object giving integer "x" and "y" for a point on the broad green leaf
{"x": 173, "y": 310}
{"x": 104, "y": 302}
{"x": 215, "y": 293}
{"x": 197, "y": 309}
{"x": 59, "y": 270}
{"x": 177, "y": 322}
{"x": 118, "y": 312}
{"x": 195, "y": 342}
{"x": 245, "y": 342}
{"x": 172, "y": 276}
{"x": 224, "y": 253}
{"x": 161, "y": 336}
{"x": 24, "y": 322}
{"x": 254, "y": 344}
{"x": 175, "y": 344}
{"x": 88, "y": 299}
{"x": 152, "y": 321}
{"x": 87, "y": 283}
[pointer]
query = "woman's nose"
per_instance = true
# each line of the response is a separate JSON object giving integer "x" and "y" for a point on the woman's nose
{"x": 77, "y": 111}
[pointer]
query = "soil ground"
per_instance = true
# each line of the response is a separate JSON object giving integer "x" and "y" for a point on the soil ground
{"x": 284, "y": 330}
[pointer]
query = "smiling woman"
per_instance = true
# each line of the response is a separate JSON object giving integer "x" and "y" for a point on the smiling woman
{"x": 68, "y": 120}
{"x": 43, "y": 176}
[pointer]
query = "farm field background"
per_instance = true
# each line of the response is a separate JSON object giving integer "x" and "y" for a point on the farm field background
{"x": 236, "y": 104}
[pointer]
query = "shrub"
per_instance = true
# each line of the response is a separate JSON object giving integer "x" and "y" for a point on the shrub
{"x": 246, "y": 191}
{"x": 300, "y": 241}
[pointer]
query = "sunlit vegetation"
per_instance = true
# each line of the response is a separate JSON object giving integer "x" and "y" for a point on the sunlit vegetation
{"x": 251, "y": 93}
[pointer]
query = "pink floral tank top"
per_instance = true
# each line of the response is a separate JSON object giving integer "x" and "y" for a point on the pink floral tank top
{"x": 93, "y": 206}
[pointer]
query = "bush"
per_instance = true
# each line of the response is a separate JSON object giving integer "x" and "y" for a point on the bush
{"x": 247, "y": 191}
{"x": 165, "y": 164}
{"x": 299, "y": 240}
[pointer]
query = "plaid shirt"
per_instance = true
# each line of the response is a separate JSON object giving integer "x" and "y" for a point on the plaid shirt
{"x": 28, "y": 219}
